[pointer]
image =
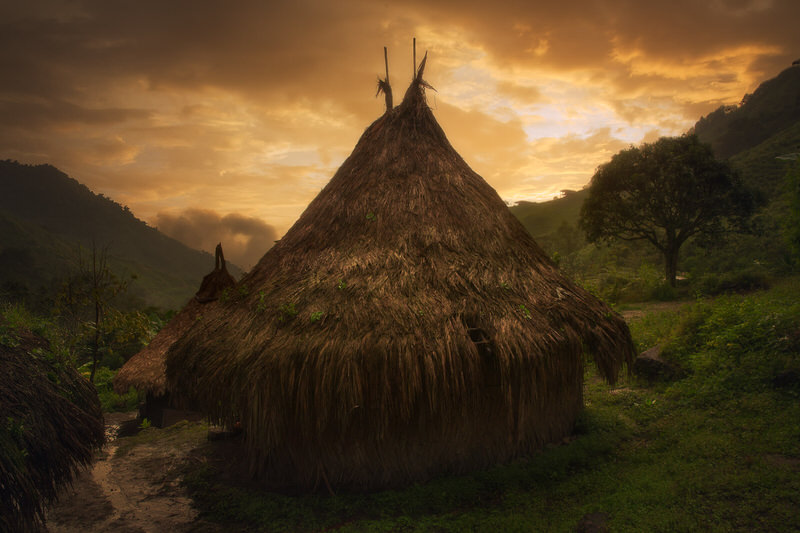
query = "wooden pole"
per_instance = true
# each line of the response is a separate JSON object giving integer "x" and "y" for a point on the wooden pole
{"x": 386, "y": 62}
{"x": 415, "y": 57}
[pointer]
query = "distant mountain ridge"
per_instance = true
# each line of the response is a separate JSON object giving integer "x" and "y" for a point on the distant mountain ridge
{"x": 45, "y": 216}
{"x": 544, "y": 218}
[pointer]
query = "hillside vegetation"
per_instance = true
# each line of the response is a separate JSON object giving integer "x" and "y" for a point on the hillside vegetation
{"x": 46, "y": 217}
{"x": 545, "y": 218}
{"x": 773, "y": 107}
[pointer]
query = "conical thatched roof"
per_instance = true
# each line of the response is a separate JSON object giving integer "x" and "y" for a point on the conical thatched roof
{"x": 406, "y": 325}
{"x": 145, "y": 370}
{"x": 50, "y": 426}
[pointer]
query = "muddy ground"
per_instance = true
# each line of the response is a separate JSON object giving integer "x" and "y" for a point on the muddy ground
{"x": 130, "y": 489}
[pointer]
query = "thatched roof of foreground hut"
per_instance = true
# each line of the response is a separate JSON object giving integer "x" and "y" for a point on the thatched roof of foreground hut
{"x": 406, "y": 325}
{"x": 50, "y": 425}
{"x": 145, "y": 370}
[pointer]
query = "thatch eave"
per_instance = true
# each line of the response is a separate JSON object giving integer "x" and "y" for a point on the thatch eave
{"x": 50, "y": 426}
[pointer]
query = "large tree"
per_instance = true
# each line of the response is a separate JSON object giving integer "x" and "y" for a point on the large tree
{"x": 665, "y": 192}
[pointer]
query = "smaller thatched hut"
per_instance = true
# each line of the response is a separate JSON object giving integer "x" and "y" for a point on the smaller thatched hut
{"x": 145, "y": 371}
{"x": 50, "y": 426}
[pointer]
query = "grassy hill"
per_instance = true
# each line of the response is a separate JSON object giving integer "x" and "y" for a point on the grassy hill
{"x": 46, "y": 217}
{"x": 543, "y": 218}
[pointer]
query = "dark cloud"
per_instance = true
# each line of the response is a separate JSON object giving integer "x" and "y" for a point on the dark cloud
{"x": 284, "y": 51}
{"x": 584, "y": 33}
{"x": 60, "y": 113}
{"x": 290, "y": 51}
{"x": 244, "y": 239}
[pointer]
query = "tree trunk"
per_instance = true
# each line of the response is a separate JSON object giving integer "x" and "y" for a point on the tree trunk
{"x": 671, "y": 264}
{"x": 96, "y": 344}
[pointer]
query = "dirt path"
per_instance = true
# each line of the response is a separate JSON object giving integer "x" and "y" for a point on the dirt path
{"x": 132, "y": 492}
{"x": 651, "y": 307}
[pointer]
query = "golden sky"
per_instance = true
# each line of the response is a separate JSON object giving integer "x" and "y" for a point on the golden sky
{"x": 222, "y": 120}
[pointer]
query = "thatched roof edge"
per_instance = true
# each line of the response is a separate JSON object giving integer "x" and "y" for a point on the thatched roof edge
{"x": 50, "y": 426}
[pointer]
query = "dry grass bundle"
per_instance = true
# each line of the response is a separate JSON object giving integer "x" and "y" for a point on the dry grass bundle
{"x": 145, "y": 370}
{"x": 50, "y": 425}
{"x": 215, "y": 282}
{"x": 406, "y": 325}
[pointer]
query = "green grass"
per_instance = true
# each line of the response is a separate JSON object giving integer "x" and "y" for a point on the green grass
{"x": 179, "y": 434}
{"x": 716, "y": 451}
{"x": 111, "y": 401}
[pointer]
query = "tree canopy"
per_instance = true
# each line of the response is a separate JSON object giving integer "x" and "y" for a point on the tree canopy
{"x": 665, "y": 193}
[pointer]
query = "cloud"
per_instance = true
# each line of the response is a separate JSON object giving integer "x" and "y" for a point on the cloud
{"x": 250, "y": 108}
{"x": 61, "y": 114}
{"x": 244, "y": 239}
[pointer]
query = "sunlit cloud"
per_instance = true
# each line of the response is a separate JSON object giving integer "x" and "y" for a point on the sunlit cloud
{"x": 249, "y": 109}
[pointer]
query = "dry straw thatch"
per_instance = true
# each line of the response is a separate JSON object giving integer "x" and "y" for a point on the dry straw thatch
{"x": 50, "y": 426}
{"x": 406, "y": 325}
{"x": 145, "y": 370}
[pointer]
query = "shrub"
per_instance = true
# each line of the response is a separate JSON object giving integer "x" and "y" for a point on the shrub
{"x": 109, "y": 400}
{"x": 739, "y": 281}
{"x": 737, "y": 343}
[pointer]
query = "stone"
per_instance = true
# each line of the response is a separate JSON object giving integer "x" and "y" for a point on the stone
{"x": 652, "y": 367}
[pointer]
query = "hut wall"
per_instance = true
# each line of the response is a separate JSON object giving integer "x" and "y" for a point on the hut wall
{"x": 497, "y": 424}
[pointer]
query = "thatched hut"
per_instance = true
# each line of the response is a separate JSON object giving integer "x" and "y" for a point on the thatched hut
{"x": 145, "y": 370}
{"x": 405, "y": 325}
{"x": 50, "y": 426}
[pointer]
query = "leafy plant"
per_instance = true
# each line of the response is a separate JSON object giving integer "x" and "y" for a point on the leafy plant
{"x": 316, "y": 316}
{"x": 145, "y": 423}
{"x": 525, "y": 312}
{"x": 371, "y": 217}
{"x": 342, "y": 285}
{"x": 110, "y": 401}
{"x": 286, "y": 312}
{"x": 261, "y": 305}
